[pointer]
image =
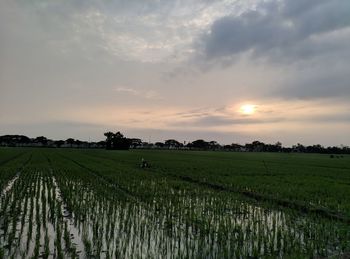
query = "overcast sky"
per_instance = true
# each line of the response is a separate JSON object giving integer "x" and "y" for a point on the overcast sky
{"x": 182, "y": 69}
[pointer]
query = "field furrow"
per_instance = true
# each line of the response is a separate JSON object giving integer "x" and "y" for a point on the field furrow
{"x": 73, "y": 204}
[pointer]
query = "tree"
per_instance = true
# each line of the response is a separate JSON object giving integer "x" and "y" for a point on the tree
{"x": 42, "y": 140}
{"x": 135, "y": 142}
{"x": 299, "y": 148}
{"x": 117, "y": 141}
{"x": 70, "y": 141}
{"x": 23, "y": 139}
{"x": 256, "y": 146}
{"x": 109, "y": 136}
{"x": 172, "y": 143}
{"x": 78, "y": 142}
{"x": 159, "y": 144}
{"x": 120, "y": 142}
{"x": 278, "y": 146}
{"x": 199, "y": 143}
{"x": 59, "y": 143}
{"x": 214, "y": 145}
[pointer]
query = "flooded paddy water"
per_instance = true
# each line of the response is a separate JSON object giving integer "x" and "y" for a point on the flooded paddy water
{"x": 55, "y": 206}
{"x": 55, "y": 214}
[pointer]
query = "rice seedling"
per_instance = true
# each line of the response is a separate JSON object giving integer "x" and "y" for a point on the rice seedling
{"x": 65, "y": 203}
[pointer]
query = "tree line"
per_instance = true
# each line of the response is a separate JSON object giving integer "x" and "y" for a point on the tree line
{"x": 117, "y": 141}
{"x": 41, "y": 141}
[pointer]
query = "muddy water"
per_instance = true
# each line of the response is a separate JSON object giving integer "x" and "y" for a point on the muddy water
{"x": 9, "y": 185}
{"x": 210, "y": 225}
{"x": 53, "y": 216}
{"x": 31, "y": 223}
{"x": 75, "y": 233}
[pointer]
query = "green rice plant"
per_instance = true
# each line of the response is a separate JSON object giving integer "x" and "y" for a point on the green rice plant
{"x": 195, "y": 204}
{"x": 46, "y": 253}
{"x": 87, "y": 245}
{"x": 66, "y": 237}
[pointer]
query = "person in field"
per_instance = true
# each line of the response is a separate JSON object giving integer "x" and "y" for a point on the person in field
{"x": 144, "y": 163}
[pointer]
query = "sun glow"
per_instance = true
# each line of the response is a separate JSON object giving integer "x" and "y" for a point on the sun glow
{"x": 247, "y": 109}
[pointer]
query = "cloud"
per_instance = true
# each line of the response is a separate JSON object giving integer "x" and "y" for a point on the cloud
{"x": 127, "y": 90}
{"x": 147, "y": 94}
{"x": 220, "y": 116}
{"x": 318, "y": 81}
{"x": 275, "y": 28}
{"x": 309, "y": 39}
{"x": 143, "y": 31}
{"x": 277, "y": 114}
{"x": 215, "y": 121}
{"x": 106, "y": 62}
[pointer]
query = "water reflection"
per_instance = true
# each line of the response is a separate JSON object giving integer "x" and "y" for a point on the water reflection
{"x": 59, "y": 214}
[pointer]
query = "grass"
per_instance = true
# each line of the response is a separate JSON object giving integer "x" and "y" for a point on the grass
{"x": 187, "y": 204}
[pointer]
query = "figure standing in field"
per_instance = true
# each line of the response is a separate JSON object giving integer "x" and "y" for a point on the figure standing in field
{"x": 144, "y": 163}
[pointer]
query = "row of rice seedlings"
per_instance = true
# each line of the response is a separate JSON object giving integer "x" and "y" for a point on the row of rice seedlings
{"x": 165, "y": 219}
{"x": 189, "y": 224}
{"x": 12, "y": 210}
{"x": 10, "y": 165}
{"x": 32, "y": 224}
{"x": 325, "y": 239}
{"x": 9, "y": 174}
{"x": 100, "y": 214}
{"x": 71, "y": 236}
{"x": 185, "y": 221}
{"x": 311, "y": 185}
{"x": 329, "y": 197}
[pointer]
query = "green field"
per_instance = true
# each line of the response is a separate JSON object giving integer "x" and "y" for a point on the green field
{"x": 95, "y": 203}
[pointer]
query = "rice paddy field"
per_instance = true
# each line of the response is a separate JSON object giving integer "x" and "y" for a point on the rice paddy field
{"x": 66, "y": 203}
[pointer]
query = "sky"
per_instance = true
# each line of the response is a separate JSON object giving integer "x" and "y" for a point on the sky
{"x": 233, "y": 71}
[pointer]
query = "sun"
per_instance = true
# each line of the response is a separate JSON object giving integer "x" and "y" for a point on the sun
{"x": 247, "y": 109}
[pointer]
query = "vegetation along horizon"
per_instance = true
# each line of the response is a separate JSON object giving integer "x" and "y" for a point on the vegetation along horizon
{"x": 76, "y": 203}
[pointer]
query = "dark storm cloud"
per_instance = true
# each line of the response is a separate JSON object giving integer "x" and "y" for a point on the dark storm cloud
{"x": 276, "y": 28}
{"x": 310, "y": 39}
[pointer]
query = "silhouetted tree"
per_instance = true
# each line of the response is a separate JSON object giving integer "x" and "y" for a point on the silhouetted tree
{"x": 117, "y": 141}
{"x": 214, "y": 145}
{"x": 159, "y": 144}
{"x": 59, "y": 143}
{"x": 120, "y": 142}
{"x": 78, "y": 142}
{"x": 172, "y": 143}
{"x": 101, "y": 144}
{"x": 41, "y": 140}
{"x": 70, "y": 141}
{"x": 109, "y": 136}
{"x": 299, "y": 148}
{"x": 23, "y": 139}
{"x": 135, "y": 142}
{"x": 199, "y": 143}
